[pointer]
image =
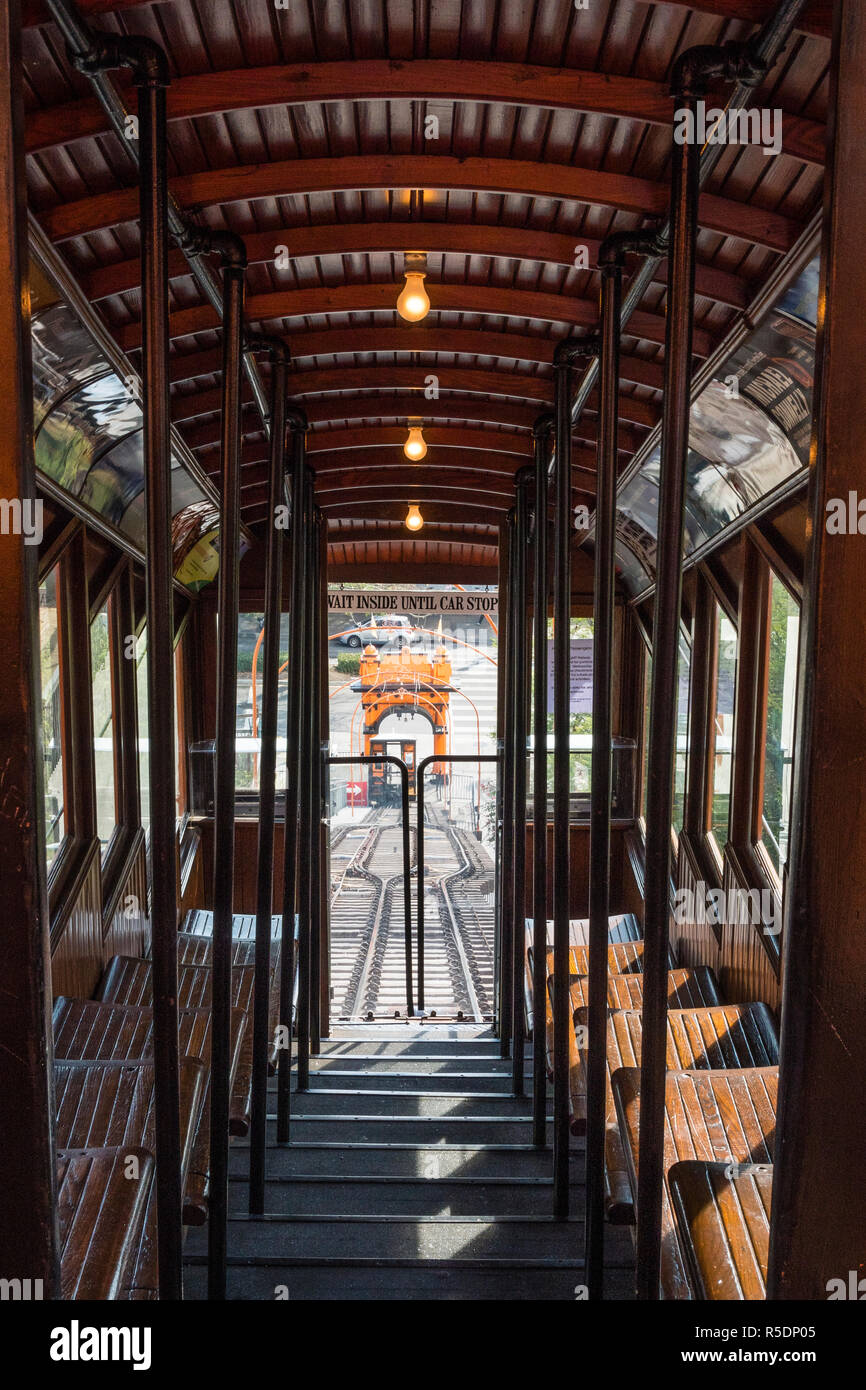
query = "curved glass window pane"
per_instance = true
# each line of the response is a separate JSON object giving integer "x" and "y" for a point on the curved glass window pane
{"x": 52, "y": 715}
{"x": 102, "y": 689}
{"x": 722, "y": 729}
{"x": 784, "y": 636}
{"x": 681, "y": 760}
{"x": 81, "y": 427}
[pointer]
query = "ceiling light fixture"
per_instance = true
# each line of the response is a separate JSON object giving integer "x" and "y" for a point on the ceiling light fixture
{"x": 414, "y": 519}
{"x": 413, "y": 303}
{"x": 415, "y": 447}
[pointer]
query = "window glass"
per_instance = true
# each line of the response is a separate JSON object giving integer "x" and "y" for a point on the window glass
{"x": 779, "y": 729}
{"x": 142, "y": 711}
{"x": 681, "y": 761}
{"x": 647, "y": 689}
{"x": 722, "y": 727}
{"x": 251, "y": 635}
{"x": 103, "y": 726}
{"x": 52, "y": 715}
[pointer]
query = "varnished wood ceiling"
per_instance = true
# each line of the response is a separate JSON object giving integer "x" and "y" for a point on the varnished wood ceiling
{"x": 310, "y": 129}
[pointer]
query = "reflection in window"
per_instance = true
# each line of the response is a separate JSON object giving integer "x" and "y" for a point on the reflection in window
{"x": 52, "y": 715}
{"x": 647, "y": 691}
{"x": 779, "y": 736}
{"x": 681, "y": 761}
{"x": 722, "y": 727}
{"x": 101, "y": 676}
{"x": 143, "y": 742}
{"x": 251, "y": 635}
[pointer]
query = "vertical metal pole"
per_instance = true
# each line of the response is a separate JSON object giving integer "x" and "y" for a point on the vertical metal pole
{"x": 541, "y": 433}
{"x": 407, "y": 886}
{"x": 160, "y": 667}
{"x": 663, "y": 696}
{"x": 28, "y": 1219}
{"x": 506, "y": 900}
{"x": 234, "y": 266}
{"x": 267, "y": 771}
{"x": 419, "y": 872}
{"x": 294, "y": 715}
{"x": 518, "y": 731}
{"x": 315, "y": 613}
{"x": 305, "y": 797}
{"x": 600, "y": 791}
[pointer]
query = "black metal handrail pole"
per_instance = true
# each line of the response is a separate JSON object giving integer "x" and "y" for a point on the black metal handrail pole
{"x": 419, "y": 840}
{"x": 518, "y": 795}
{"x": 279, "y": 356}
{"x": 294, "y": 715}
{"x": 234, "y": 268}
{"x": 316, "y": 793}
{"x": 611, "y": 263}
{"x": 506, "y": 850}
{"x": 566, "y": 354}
{"x": 541, "y": 433}
{"x": 306, "y": 800}
{"x": 692, "y": 72}
{"x": 407, "y": 853}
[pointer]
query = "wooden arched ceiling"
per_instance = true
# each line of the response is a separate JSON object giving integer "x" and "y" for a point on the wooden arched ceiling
{"x": 498, "y": 139}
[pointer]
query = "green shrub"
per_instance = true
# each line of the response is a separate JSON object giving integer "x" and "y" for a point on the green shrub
{"x": 349, "y": 663}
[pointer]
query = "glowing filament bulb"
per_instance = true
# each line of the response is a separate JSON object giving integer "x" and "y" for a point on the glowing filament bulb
{"x": 414, "y": 519}
{"x": 413, "y": 303}
{"x": 415, "y": 447}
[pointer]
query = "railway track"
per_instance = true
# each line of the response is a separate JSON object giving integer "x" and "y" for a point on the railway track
{"x": 367, "y": 922}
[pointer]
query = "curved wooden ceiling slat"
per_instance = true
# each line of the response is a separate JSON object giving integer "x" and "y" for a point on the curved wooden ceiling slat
{"x": 384, "y": 404}
{"x": 640, "y": 371}
{"x": 816, "y": 17}
{"x": 394, "y": 238}
{"x": 214, "y": 93}
{"x": 445, "y": 298}
{"x": 476, "y": 174}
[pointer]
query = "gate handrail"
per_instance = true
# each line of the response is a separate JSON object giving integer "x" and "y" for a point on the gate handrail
{"x": 419, "y": 866}
{"x": 407, "y": 854}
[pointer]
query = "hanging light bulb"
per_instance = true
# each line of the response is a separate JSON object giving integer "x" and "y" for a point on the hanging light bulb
{"x": 415, "y": 447}
{"x": 413, "y": 303}
{"x": 414, "y": 519}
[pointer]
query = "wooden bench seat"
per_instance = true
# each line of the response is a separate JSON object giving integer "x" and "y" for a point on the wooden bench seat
{"x": 717, "y": 1038}
{"x": 621, "y": 928}
{"x": 111, "y": 1104}
{"x": 100, "y": 1217}
{"x": 688, "y": 988}
{"x": 723, "y": 1227}
{"x": 128, "y": 980}
{"x": 722, "y": 1117}
{"x": 89, "y": 1030}
{"x": 199, "y": 922}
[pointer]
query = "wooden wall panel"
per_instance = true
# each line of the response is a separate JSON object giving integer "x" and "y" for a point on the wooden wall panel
{"x": 76, "y": 953}
{"x": 620, "y": 871}
{"x": 128, "y": 930}
{"x": 695, "y": 942}
{"x": 246, "y": 856}
{"x": 746, "y": 971}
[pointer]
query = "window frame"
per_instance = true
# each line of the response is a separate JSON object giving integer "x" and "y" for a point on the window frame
{"x": 777, "y": 877}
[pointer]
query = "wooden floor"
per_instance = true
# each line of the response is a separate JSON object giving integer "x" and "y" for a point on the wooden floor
{"x": 410, "y": 1175}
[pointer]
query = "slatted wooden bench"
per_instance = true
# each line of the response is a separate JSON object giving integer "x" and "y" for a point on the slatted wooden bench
{"x": 622, "y": 927}
{"x": 89, "y": 1030}
{"x": 100, "y": 1216}
{"x": 199, "y": 922}
{"x": 128, "y": 980}
{"x": 723, "y": 1227}
{"x": 727, "y": 1036}
{"x": 111, "y": 1105}
{"x": 712, "y": 1116}
{"x": 626, "y": 987}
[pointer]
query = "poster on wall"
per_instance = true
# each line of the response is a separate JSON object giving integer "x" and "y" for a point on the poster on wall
{"x": 581, "y": 675}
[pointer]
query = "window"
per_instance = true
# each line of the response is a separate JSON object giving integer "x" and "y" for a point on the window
{"x": 722, "y": 728}
{"x": 52, "y": 715}
{"x": 681, "y": 760}
{"x": 102, "y": 688}
{"x": 783, "y": 640}
{"x": 647, "y": 691}
{"x": 143, "y": 745}
{"x": 251, "y": 633}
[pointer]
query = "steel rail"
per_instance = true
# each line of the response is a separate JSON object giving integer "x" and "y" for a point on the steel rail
{"x": 518, "y": 795}
{"x": 541, "y": 431}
